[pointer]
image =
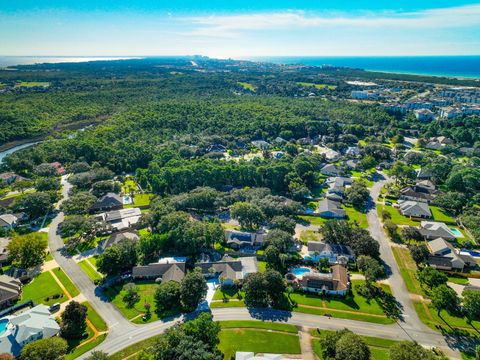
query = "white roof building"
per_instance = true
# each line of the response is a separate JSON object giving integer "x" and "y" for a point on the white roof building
{"x": 34, "y": 324}
{"x": 121, "y": 219}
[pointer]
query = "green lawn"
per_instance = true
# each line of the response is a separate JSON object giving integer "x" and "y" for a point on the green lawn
{"x": 429, "y": 316}
{"x": 317, "y": 86}
{"x": 356, "y": 215}
{"x": 133, "y": 349}
{"x": 42, "y": 287}
{"x": 460, "y": 280}
{"x": 262, "y": 266}
{"x": 95, "y": 318}
{"x": 91, "y": 273}
{"x": 397, "y": 218}
{"x": 439, "y": 215}
{"x": 252, "y": 324}
{"x": 352, "y": 302}
{"x": 84, "y": 348}
{"x": 257, "y": 341}
{"x": 140, "y": 200}
{"x": 313, "y": 220}
{"x": 379, "y": 348}
{"x": 247, "y": 86}
{"x": 146, "y": 291}
{"x": 408, "y": 269}
{"x": 31, "y": 83}
{"x": 65, "y": 280}
{"x": 353, "y": 306}
{"x": 310, "y": 235}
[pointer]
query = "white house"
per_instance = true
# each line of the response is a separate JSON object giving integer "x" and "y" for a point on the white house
{"x": 34, "y": 324}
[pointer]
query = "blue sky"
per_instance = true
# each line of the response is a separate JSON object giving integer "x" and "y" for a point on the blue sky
{"x": 232, "y": 28}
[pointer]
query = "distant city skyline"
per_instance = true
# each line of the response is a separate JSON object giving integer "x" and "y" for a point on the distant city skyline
{"x": 239, "y": 29}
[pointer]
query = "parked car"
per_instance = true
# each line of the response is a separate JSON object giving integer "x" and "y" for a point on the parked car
{"x": 54, "y": 308}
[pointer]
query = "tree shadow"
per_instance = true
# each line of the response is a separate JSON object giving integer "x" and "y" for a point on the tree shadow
{"x": 269, "y": 314}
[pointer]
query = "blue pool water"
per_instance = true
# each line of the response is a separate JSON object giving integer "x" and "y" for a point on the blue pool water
{"x": 456, "y": 232}
{"x": 3, "y": 326}
{"x": 300, "y": 271}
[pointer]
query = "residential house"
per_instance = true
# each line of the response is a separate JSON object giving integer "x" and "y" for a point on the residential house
{"x": 352, "y": 164}
{"x": 219, "y": 148}
{"x": 34, "y": 324}
{"x": 229, "y": 270}
{"x": 330, "y": 209}
{"x": 336, "y": 282}
{"x": 10, "y": 290}
{"x": 121, "y": 219}
{"x": 445, "y": 257}
{"x": 353, "y": 151}
{"x": 337, "y": 185}
{"x": 8, "y": 221}
{"x": 423, "y": 174}
{"x": 424, "y": 115}
{"x": 8, "y": 177}
{"x": 423, "y": 191}
{"x": 116, "y": 238}
{"x": 450, "y": 113}
{"x": 260, "y": 144}
{"x": 165, "y": 271}
{"x": 108, "y": 202}
{"x": 331, "y": 170}
{"x": 331, "y": 155}
{"x": 59, "y": 168}
{"x": 414, "y": 209}
{"x": 443, "y": 140}
{"x": 364, "y": 94}
{"x": 279, "y": 141}
{"x": 433, "y": 230}
{"x": 3, "y": 249}
{"x": 334, "y": 253}
{"x": 236, "y": 239}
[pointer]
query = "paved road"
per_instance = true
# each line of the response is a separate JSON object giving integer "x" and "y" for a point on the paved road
{"x": 410, "y": 318}
{"x": 122, "y": 333}
{"x": 410, "y": 323}
{"x": 394, "y": 331}
{"x": 114, "y": 319}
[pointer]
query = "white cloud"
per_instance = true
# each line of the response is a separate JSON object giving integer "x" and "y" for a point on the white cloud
{"x": 234, "y": 25}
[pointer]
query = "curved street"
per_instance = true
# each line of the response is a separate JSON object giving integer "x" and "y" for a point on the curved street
{"x": 123, "y": 333}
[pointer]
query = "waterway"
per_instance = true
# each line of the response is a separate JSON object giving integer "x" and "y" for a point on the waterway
{"x": 7, "y": 152}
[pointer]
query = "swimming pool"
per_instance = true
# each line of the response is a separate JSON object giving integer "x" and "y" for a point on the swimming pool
{"x": 456, "y": 232}
{"x": 299, "y": 271}
{"x": 3, "y": 325}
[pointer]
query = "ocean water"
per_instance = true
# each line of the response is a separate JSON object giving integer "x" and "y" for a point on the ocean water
{"x": 453, "y": 66}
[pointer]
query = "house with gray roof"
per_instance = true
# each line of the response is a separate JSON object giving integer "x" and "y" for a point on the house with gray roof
{"x": 165, "y": 271}
{"x": 8, "y": 221}
{"x": 334, "y": 253}
{"x": 414, "y": 209}
{"x": 336, "y": 282}
{"x": 31, "y": 325}
{"x": 229, "y": 269}
{"x": 444, "y": 256}
{"x": 121, "y": 219}
{"x": 330, "y": 209}
{"x": 432, "y": 230}
{"x": 237, "y": 239}
{"x": 108, "y": 202}
{"x": 331, "y": 170}
{"x": 10, "y": 290}
{"x": 116, "y": 238}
